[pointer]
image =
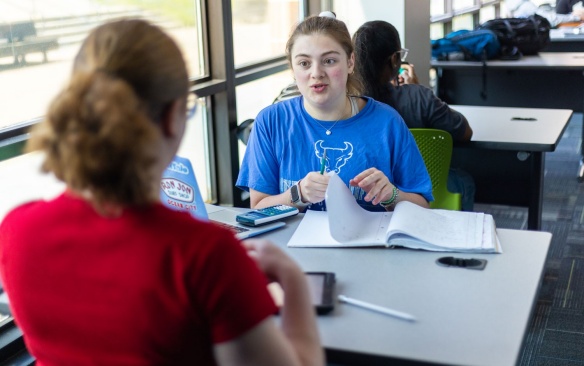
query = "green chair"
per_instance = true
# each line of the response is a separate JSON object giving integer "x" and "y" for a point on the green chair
{"x": 436, "y": 149}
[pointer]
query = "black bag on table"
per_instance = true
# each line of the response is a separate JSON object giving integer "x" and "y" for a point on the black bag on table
{"x": 528, "y": 35}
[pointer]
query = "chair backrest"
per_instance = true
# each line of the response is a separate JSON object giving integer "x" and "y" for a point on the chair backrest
{"x": 244, "y": 128}
{"x": 436, "y": 149}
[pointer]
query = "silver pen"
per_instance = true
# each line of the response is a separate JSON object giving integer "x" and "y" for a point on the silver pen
{"x": 379, "y": 309}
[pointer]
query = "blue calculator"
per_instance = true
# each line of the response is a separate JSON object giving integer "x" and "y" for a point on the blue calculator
{"x": 265, "y": 215}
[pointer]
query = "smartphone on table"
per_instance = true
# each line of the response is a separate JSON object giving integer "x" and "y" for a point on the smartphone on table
{"x": 321, "y": 286}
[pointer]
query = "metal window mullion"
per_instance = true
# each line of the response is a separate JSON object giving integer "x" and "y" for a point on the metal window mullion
{"x": 223, "y": 111}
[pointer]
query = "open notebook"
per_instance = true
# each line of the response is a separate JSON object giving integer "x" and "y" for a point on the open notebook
{"x": 409, "y": 226}
{"x": 180, "y": 191}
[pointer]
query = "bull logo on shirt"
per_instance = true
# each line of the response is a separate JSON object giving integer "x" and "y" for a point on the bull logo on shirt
{"x": 335, "y": 158}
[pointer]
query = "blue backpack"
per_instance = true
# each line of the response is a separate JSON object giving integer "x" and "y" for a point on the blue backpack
{"x": 475, "y": 45}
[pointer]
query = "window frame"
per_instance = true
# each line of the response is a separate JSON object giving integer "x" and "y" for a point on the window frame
{"x": 449, "y": 14}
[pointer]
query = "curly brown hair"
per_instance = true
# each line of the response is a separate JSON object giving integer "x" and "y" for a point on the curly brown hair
{"x": 102, "y": 131}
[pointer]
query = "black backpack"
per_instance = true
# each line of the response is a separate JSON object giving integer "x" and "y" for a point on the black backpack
{"x": 528, "y": 35}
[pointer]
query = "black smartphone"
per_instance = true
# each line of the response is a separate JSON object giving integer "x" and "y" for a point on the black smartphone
{"x": 321, "y": 285}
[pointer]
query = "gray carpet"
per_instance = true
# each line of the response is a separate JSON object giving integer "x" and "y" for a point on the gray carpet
{"x": 555, "y": 335}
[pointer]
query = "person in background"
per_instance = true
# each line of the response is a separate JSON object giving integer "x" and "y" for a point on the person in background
{"x": 379, "y": 57}
{"x": 329, "y": 128}
{"x": 567, "y": 7}
{"x": 526, "y": 8}
{"x": 105, "y": 274}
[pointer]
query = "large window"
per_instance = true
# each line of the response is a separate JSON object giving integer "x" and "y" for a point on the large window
{"x": 39, "y": 39}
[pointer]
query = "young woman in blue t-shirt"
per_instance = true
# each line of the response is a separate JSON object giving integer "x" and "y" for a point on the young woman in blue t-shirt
{"x": 330, "y": 128}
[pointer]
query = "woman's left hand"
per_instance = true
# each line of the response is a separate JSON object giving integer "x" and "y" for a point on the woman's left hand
{"x": 375, "y": 183}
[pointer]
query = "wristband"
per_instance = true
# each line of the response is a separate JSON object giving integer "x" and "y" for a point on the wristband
{"x": 392, "y": 201}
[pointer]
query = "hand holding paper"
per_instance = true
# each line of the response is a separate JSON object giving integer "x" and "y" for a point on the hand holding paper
{"x": 409, "y": 226}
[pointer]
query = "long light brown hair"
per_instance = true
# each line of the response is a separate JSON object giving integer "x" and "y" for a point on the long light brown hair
{"x": 334, "y": 29}
{"x": 101, "y": 132}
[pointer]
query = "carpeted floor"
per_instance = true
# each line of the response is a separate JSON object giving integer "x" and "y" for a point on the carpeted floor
{"x": 556, "y": 333}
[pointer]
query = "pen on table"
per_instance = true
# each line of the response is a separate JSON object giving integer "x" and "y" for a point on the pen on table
{"x": 323, "y": 162}
{"x": 380, "y": 309}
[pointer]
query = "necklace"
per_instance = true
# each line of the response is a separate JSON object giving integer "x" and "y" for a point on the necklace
{"x": 328, "y": 130}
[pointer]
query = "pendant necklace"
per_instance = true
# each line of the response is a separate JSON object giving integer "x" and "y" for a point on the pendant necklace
{"x": 328, "y": 130}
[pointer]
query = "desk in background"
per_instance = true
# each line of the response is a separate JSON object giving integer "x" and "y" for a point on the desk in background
{"x": 548, "y": 80}
{"x": 465, "y": 317}
{"x": 506, "y": 157}
{"x": 562, "y": 41}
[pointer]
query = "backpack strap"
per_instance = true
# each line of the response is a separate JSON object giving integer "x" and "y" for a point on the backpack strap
{"x": 468, "y": 54}
{"x": 484, "y": 74}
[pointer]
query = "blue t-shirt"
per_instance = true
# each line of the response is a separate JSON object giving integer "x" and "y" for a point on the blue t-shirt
{"x": 286, "y": 143}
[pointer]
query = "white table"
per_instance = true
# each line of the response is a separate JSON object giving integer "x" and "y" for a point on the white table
{"x": 547, "y": 80}
{"x": 465, "y": 317}
{"x": 506, "y": 156}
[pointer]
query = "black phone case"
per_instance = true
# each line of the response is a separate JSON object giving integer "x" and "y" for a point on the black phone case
{"x": 327, "y": 303}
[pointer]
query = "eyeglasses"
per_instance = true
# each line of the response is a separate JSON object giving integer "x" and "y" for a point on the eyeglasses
{"x": 403, "y": 53}
{"x": 192, "y": 102}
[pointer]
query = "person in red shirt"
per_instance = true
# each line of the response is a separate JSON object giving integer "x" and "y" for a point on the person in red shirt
{"x": 104, "y": 274}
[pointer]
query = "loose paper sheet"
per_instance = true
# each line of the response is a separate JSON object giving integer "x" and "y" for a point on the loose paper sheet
{"x": 344, "y": 224}
{"x": 349, "y": 222}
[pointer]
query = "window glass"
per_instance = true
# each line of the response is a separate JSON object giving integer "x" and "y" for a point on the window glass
{"x": 504, "y": 10}
{"x": 436, "y": 30}
{"x": 461, "y": 4}
{"x": 436, "y": 7}
{"x": 194, "y": 146}
{"x": 252, "y": 97}
{"x": 261, "y": 28}
{"x": 39, "y": 38}
{"x": 463, "y": 22}
{"x": 487, "y": 13}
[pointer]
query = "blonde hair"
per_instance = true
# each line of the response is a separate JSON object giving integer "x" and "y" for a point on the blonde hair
{"x": 334, "y": 29}
{"x": 101, "y": 132}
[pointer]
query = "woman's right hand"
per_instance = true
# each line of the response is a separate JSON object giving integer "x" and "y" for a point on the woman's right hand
{"x": 408, "y": 76}
{"x": 271, "y": 260}
{"x": 298, "y": 320}
{"x": 297, "y": 342}
{"x": 313, "y": 187}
